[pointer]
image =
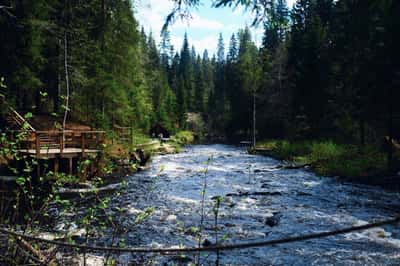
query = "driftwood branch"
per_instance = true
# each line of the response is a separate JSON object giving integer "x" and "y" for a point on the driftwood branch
{"x": 25, "y": 245}
{"x": 42, "y": 257}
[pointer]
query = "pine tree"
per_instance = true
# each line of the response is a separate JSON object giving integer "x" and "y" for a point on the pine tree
{"x": 165, "y": 49}
{"x": 208, "y": 77}
{"x": 233, "y": 51}
{"x": 220, "y": 50}
{"x": 186, "y": 74}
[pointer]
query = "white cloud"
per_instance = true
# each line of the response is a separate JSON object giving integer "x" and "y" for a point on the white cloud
{"x": 209, "y": 43}
{"x": 200, "y": 44}
{"x": 151, "y": 14}
{"x": 198, "y": 22}
{"x": 177, "y": 41}
{"x": 290, "y": 3}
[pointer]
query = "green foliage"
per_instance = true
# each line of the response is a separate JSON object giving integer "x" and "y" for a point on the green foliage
{"x": 62, "y": 179}
{"x": 183, "y": 137}
{"x": 323, "y": 151}
{"x": 287, "y": 150}
{"x": 148, "y": 212}
{"x": 330, "y": 158}
{"x": 140, "y": 138}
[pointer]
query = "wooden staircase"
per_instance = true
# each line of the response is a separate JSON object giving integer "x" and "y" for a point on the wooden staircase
{"x": 14, "y": 119}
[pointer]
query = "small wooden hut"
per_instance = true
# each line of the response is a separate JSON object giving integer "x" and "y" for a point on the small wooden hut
{"x": 159, "y": 131}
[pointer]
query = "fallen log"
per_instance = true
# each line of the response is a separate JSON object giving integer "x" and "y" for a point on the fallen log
{"x": 25, "y": 245}
{"x": 256, "y": 193}
{"x": 296, "y": 166}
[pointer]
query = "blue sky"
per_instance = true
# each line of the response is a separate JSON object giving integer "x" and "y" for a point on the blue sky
{"x": 204, "y": 27}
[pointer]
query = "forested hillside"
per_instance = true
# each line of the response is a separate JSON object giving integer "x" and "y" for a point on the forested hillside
{"x": 123, "y": 146}
{"x": 325, "y": 69}
{"x": 113, "y": 69}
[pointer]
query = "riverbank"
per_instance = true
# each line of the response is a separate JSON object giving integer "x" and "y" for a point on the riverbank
{"x": 121, "y": 160}
{"x": 367, "y": 165}
{"x": 104, "y": 174}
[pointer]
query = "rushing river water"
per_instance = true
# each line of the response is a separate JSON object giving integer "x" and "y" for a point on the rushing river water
{"x": 260, "y": 202}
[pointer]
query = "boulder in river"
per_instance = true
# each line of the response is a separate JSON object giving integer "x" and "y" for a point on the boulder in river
{"x": 273, "y": 220}
{"x": 207, "y": 243}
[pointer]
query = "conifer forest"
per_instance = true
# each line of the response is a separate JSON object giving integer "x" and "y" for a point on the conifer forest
{"x": 120, "y": 147}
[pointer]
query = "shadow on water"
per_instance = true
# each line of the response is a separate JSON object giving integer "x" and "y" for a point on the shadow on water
{"x": 260, "y": 201}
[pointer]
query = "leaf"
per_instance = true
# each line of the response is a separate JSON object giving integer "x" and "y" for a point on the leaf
{"x": 21, "y": 181}
{"x": 28, "y": 115}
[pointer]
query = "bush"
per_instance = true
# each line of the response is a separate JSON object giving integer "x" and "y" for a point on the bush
{"x": 183, "y": 137}
{"x": 330, "y": 158}
{"x": 324, "y": 151}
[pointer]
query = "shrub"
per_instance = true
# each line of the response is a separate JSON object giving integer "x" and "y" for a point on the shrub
{"x": 183, "y": 137}
{"x": 330, "y": 158}
{"x": 326, "y": 150}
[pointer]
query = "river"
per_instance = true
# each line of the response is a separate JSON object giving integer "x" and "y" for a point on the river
{"x": 260, "y": 201}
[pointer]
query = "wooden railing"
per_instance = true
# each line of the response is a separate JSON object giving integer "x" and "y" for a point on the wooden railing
{"x": 62, "y": 140}
{"x": 16, "y": 119}
{"x": 123, "y": 134}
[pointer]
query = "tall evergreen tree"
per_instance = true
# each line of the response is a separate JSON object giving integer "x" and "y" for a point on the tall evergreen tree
{"x": 165, "y": 49}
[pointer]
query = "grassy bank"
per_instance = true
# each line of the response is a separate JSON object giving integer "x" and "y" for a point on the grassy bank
{"x": 329, "y": 158}
{"x": 120, "y": 159}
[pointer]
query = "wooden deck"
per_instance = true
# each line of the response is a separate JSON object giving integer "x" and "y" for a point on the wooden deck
{"x": 56, "y": 145}
{"x": 63, "y": 143}
{"x": 65, "y": 153}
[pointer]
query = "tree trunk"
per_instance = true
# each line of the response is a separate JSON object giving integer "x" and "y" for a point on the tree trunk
{"x": 362, "y": 131}
{"x": 390, "y": 130}
{"x": 254, "y": 117}
{"x": 66, "y": 84}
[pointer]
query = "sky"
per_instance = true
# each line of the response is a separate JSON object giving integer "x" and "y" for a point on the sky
{"x": 203, "y": 28}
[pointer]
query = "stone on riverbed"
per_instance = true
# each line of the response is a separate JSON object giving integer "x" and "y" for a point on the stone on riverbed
{"x": 273, "y": 220}
{"x": 76, "y": 233}
{"x": 207, "y": 243}
{"x": 76, "y": 192}
{"x": 89, "y": 260}
{"x": 169, "y": 218}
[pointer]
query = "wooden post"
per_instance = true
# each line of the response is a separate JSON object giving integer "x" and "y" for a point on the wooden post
{"x": 83, "y": 144}
{"x": 70, "y": 165}
{"x": 83, "y": 175}
{"x": 38, "y": 169}
{"x": 37, "y": 144}
{"x": 61, "y": 142}
{"x": 56, "y": 165}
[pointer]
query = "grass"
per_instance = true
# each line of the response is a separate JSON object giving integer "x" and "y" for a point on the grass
{"x": 140, "y": 138}
{"x": 330, "y": 158}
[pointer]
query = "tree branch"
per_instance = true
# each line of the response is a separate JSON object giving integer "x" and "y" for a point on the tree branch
{"x": 5, "y": 9}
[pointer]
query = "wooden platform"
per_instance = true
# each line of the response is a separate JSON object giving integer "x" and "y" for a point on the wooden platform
{"x": 58, "y": 145}
{"x": 54, "y": 153}
{"x": 64, "y": 144}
